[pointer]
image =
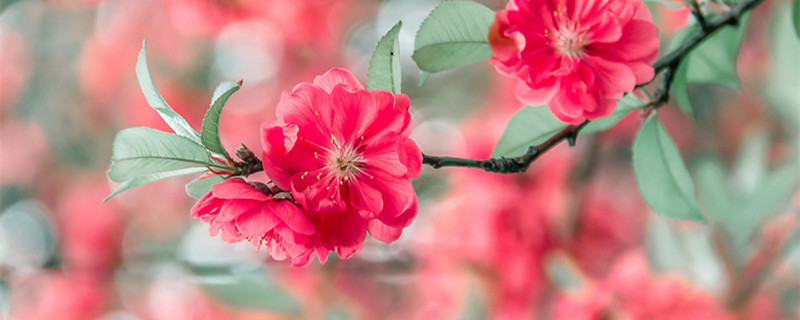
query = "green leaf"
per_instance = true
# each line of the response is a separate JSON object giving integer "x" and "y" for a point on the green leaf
{"x": 713, "y": 61}
{"x": 533, "y": 125}
{"x": 529, "y": 127}
{"x": 154, "y": 99}
{"x": 198, "y": 188}
{"x": 628, "y": 103}
{"x": 662, "y": 176}
{"x": 153, "y": 177}
{"x": 796, "y": 17}
{"x": 454, "y": 34}
{"x": 252, "y": 291}
{"x": 384, "y": 66}
{"x": 141, "y": 151}
{"x": 423, "y": 77}
{"x": 680, "y": 89}
{"x": 210, "y": 132}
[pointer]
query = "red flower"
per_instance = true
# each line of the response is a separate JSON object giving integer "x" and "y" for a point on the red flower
{"x": 578, "y": 57}
{"x": 340, "y": 148}
{"x": 243, "y": 212}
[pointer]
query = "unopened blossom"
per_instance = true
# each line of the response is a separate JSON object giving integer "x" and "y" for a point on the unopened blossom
{"x": 241, "y": 211}
{"x": 340, "y": 148}
{"x": 578, "y": 57}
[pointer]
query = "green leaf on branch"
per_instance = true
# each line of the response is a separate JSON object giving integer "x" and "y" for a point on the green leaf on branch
{"x": 198, "y": 188}
{"x": 157, "y": 102}
{"x": 454, "y": 34}
{"x": 661, "y": 174}
{"x": 384, "y": 66}
{"x": 713, "y": 61}
{"x": 533, "y": 125}
{"x": 210, "y": 130}
{"x": 143, "y": 155}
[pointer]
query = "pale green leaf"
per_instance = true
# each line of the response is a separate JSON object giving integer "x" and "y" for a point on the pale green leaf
{"x": 210, "y": 132}
{"x": 713, "y": 61}
{"x": 198, "y": 188}
{"x": 384, "y": 66}
{"x": 142, "y": 151}
{"x": 661, "y": 174}
{"x": 251, "y": 291}
{"x": 154, "y": 99}
{"x": 680, "y": 89}
{"x": 153, "y": 177}
{"x": 796, "y": 17}
{"x": 454, "y": 34}
{"x": 533, "y": 125}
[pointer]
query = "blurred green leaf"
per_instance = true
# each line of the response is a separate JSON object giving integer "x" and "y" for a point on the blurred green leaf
{"x": 156, "y": 101}
{"x": 454, "y": 34}
{"x": 251, "y": 291}
{"x": 143, "y": 155}
{"x": 564, "y": 273}
{"x": 796, "y": 17}
{"x": 533, "y": 125}
{"x": 668, "y": 4}
{"x": 680, "y": 89}
{"x": 210, "y": 130}
{"x": 661, "y": 174}
{"x": 780, "y": 87}
{"x": 384, "y": 66}
{"x": 741, "y": 203}
{"x": 198, "y": 188}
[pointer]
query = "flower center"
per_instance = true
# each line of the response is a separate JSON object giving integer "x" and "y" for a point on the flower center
{"x": 568, "y": 40}
{"x": 345, "y": 163}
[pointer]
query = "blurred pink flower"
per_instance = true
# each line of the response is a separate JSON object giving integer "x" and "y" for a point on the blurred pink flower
{"x": 91, "y": 231}
{"x": 54, "y": 295}
{"x": 579, "y": 57}
{"x": 340, "y": 148}
{"x": 631, "y": 291}
{"x": 242, "y": 211}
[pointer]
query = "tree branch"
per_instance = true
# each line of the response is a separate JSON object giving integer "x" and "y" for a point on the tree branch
{"x": 667, "y": 64}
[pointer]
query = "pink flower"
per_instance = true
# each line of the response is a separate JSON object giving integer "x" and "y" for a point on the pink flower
{"x": 578, "y": 57}
{"x": 242, "y": 211}
{"x": 340, "y": 148}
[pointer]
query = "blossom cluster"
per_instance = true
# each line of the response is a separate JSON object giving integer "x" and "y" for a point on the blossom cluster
{"x": 339, "y": 161}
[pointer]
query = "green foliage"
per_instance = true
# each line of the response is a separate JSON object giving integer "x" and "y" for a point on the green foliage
{"x": 661, "y": 174}
{"x": 154, "y": 99}
{"x": 780, "y": 87}
{"x": 198, "y": 188}
{"x": 713, "y": 61}
{"x": 533, "y": 125}
{"x": 143, "y": 155}
{"x": 251, "y": 290}
{"x": 210, "y": 130}
{"x": 454, "y": 34}
{"x": 796, "y": 17}
{"x": 741, "y": 202}
{"x": 384, "y": 66}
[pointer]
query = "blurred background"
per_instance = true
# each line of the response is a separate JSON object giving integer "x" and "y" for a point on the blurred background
{"x": 569, "y": 239}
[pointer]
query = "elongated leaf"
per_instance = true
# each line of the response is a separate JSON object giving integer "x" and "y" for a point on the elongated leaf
{"x": 143, "y": 151}
{"x": 714, "y": 59}
{"x": 533, "y": 125}
{"x": 628, "y": 103}
{"x": 157, "y": 102}
{"x": 210, "y": 132}
{"x": 529, "y": 127}
{"x": 153, "y": 177}
{"x": 454, "y": 34}
{"x": 661, "y": 174}
{"x": 680, "y": 89}
{"x": 198, "y": 188}
{"x": 384, "y": 66}
{"x": 796, "y": 17}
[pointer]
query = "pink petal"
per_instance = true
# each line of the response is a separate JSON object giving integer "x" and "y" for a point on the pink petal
{"x": 237, "y": 188}
{"x": 364, "y": 196}
{"x": 292, "y": 215}
{"x": 411, "y": 157}
{"x": 382, "y": 232}
{"x": 257, "y": 222}
{"x": 338, "y": 76}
